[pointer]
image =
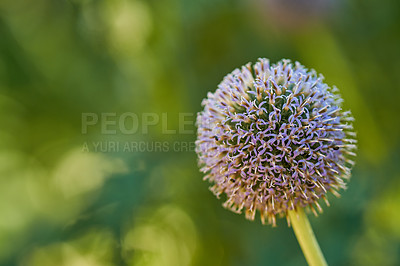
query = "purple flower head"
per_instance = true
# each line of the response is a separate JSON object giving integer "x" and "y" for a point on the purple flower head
{"x": 273, "y": 138}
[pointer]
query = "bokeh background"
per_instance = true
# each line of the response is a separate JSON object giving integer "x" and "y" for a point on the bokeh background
{"x": 62, "y": 203}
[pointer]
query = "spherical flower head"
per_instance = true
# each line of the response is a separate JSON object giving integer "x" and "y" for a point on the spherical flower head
{"x": 274, "y": 138}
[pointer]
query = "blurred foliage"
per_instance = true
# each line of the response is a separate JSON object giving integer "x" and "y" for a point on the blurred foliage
{"x": 62, "y": 205}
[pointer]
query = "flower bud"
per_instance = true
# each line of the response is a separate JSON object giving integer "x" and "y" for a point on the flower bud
{"x": 273, "y": 138}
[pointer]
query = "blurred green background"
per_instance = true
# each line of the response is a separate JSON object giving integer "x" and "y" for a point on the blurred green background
{"x": 64, "y": 203}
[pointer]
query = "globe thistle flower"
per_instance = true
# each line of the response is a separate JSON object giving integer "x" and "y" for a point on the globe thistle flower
{"x": 272, "y": 138}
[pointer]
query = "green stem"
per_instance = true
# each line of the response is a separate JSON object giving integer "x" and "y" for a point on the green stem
{"x": 306, "y": 238}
